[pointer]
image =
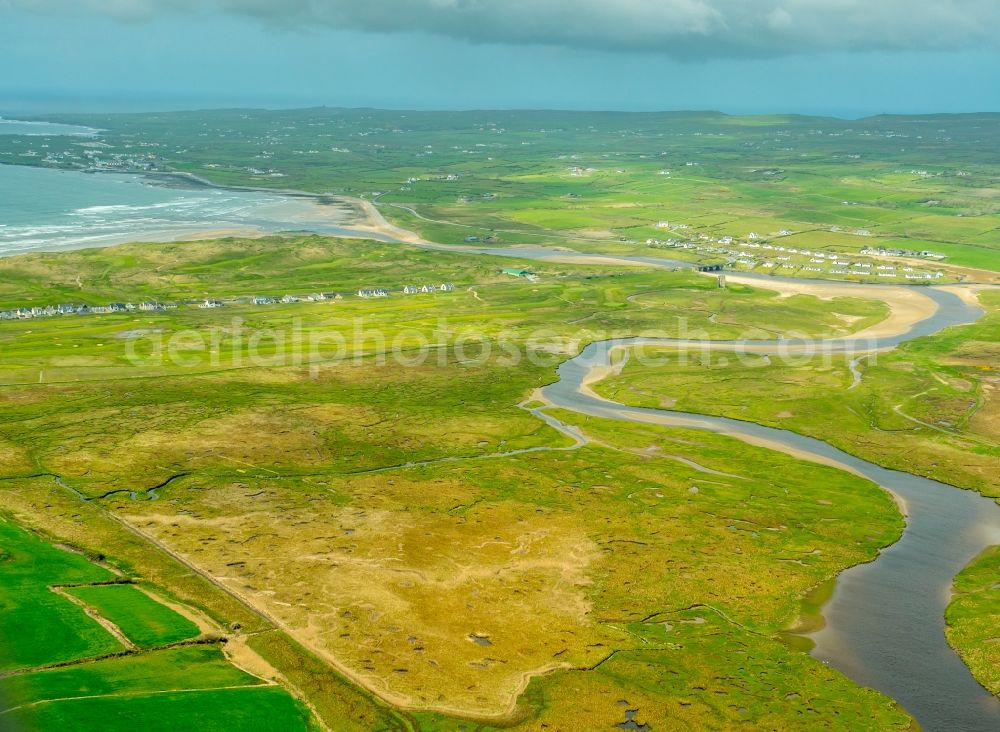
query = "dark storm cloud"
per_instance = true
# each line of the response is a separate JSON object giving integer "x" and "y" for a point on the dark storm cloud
{"x": 685, "y": 29}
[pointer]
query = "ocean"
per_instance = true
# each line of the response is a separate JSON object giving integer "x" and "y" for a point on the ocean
{"x": 44, "y": 210}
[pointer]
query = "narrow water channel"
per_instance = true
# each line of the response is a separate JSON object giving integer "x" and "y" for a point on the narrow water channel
{"x": 885, "y": 622}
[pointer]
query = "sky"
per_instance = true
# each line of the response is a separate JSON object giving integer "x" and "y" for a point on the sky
{"x": 846, "y": 58}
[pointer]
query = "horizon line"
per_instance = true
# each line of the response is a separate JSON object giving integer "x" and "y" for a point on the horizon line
{"x": 182, "y": 109}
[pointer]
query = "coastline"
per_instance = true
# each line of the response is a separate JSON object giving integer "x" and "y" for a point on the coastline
{"x": 369, "y": 218}
{"x": 46, "y": 128}
{"x": 348, "y": 217}
{"x": 305, "y": 212}
{"x": 153, "y": 236}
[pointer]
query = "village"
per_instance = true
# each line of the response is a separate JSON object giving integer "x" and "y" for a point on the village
{"x": 95, "y": 155}
{"x": 47, "y": 311}
{"x": 794, "y": 259}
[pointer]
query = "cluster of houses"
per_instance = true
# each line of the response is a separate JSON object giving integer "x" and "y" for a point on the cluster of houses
{"x": 95, "y": 157}
{"x": 365, "y": 292}
{"x": 48, "y": 311}
{"x": 775, "y": 257}
{"x": 779, "y": 257}
{"x": 45, "y": 311}
{"x": 287, "y": 299}
{"x": 835, "y": 264}
{"x": 886, "y": 252}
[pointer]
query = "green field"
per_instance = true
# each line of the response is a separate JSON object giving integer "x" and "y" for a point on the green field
{"x": 187, "y": 668}
{"x": 974, "y": 615}
{"x": 142, "y": 619}
{"x": 63, "y": 670}
{"x": 40, "y": 627}
{"x": 244, "y": 710}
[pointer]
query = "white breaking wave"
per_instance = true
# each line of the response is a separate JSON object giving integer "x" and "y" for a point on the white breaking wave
{"x": 45, "y": 209}
{"x": 100, "y": 209}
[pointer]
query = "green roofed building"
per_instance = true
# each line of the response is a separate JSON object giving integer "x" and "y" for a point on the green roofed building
{"x": 515, "y": 272}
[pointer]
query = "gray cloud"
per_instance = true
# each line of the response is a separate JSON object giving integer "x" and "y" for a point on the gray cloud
{"x": 686, "y": 29}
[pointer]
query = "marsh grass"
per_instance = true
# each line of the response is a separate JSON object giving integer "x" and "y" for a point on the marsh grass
{"x": 367, "y": 519}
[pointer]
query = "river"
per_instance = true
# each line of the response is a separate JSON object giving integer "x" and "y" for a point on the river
{"x": 885, "y": 625}
{"x": 885, "y": 622}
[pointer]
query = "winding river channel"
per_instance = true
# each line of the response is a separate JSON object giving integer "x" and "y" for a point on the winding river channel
{"x": 885, "y": 622}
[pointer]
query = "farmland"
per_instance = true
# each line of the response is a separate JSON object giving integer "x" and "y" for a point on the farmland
{"x": 69, "y": 665}
{"x": 141, "y": 619}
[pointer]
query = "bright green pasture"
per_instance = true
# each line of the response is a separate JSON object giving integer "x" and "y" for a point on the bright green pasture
{"x": 38, "y": 626}
{"x": 246, "y": 709}
{"x": 194, "y": 687}
{"x": 143, "y": 620}
{"x": 174, "y": 669}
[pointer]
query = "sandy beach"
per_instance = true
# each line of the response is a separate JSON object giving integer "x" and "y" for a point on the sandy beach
{"x": 907, "y": 305}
